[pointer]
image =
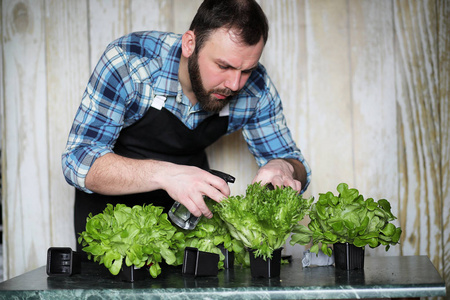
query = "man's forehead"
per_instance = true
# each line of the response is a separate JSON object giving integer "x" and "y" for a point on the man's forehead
{"x": 232, "y": 33}
{"x": 227, "y": 42}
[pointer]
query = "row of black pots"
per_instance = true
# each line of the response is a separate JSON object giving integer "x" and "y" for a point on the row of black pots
{"x": 195, "y": 263}
{"x": 346, "y": 257}
{"x": 199, "y": 263}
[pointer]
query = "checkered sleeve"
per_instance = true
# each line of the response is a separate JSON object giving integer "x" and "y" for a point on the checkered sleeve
{"x": 100, "y": 116}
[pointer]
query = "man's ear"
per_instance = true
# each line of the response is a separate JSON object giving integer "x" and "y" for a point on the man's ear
{"x": 188, "y": 43}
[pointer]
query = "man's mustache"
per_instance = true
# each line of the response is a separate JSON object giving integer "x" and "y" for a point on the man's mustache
{"x": 225, "y": 92}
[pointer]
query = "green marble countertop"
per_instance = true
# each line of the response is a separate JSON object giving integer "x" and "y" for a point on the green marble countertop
{"x": 382, "y": 277}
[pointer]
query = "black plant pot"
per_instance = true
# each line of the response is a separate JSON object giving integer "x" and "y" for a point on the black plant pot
{"x": 199, "y": 263}
{"x": 348, "y": 256}
{"x": 265, "y": 268}
{"x": 62, "y": 261}
{"x": 131, "y": 274}
{"x": 228, "y": 262}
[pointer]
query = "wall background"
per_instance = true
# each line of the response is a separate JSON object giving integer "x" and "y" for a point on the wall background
{"x": 365, "y": 86}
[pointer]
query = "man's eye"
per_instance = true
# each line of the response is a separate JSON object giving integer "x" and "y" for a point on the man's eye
{"x": 223, "y": 67}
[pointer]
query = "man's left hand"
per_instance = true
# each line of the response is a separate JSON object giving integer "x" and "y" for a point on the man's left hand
{"x": 280, "y": 172}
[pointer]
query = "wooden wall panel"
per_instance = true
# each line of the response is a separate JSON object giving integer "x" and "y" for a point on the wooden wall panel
{"x": 443, "y": 9}
{"x": 329, "y": 95}
{"x": 373, "y": 110}
{"x": 182, "y": 14}
{"x": 67, "y": 62}
{"x": 419, "y": 143}
{"x": 25, "y": 193}
{"x": 107, "y": 21}
{"x": 3, "y": 213}
{"x": 151, "y": 15}
{"x": 373, "y": 97}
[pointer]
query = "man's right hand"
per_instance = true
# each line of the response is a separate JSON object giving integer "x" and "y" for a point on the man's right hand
{"x": 112, "y": 174}
{"x": 188, "y": 185}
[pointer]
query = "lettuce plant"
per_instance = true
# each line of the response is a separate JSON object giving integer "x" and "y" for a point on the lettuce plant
{"x": 263, "y": 219}
{"x": 138, "y": 235}
{"x": 210, "y": 234}
{"x": 347, "y": 218}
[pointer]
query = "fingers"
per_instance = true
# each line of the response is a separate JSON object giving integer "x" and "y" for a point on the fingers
{"x": 197, "y": 206}
{"x": 217, "y": 189}
{"x": 281, "y": 181}
{"x": 194, "y": 186}
{"x": 285, "y": 182}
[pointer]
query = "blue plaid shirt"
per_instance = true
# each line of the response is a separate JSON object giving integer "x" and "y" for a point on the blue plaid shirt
{"x": 140, "y": 66}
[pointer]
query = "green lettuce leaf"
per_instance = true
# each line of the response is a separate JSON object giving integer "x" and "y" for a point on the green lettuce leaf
{"x": 139, "y": 235}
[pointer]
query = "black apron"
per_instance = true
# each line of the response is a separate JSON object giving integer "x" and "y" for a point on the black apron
{"x": 157, "y": 135}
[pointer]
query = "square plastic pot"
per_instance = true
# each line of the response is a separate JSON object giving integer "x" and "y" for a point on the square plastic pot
{"x": 62, "y": 261}
{"x": 228, "y": 262}
{"x": 131, "y": 274}
{"x": 265, "y": 268}
{"x": 199, "y": 263}
{"x": 348, "y": 256}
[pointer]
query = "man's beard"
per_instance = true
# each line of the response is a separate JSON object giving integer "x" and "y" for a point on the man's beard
{"x": 207, "y": 101}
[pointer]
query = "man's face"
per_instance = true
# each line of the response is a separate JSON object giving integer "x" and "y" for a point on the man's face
{"x": 221, "y": 68}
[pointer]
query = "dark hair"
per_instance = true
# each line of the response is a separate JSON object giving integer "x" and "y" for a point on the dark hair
{"x": 245, "y": 16}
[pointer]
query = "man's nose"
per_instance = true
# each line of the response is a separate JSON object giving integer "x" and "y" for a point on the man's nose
{"x": 233, "y": 80}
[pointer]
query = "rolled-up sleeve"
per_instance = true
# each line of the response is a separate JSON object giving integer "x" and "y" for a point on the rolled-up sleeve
{"x": 99, "y": 118}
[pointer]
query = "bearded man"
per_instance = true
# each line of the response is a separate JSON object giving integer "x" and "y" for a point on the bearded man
{"x": 157, "y": 100}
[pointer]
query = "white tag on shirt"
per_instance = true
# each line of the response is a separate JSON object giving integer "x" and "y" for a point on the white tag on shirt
{"x": 158, "y": 102}
{"x": 225, "y": 111}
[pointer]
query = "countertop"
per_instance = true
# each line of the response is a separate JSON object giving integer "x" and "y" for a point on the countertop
{"x": 382, "y": 277}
